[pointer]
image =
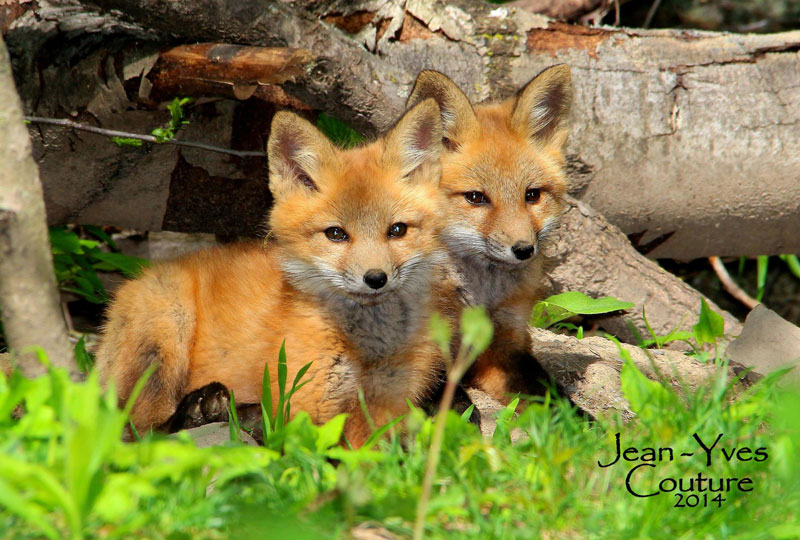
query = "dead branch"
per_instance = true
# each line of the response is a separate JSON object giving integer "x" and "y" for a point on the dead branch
{"x": 147, "y": 138}
{"x": 730, "y": 285}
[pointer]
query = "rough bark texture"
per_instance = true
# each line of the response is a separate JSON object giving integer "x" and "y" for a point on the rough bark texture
{"x": 589, "y": 369}
{"x": 29, "y": 306}
{"x": 683, "y": 132}
{"x": 592, "y": 256}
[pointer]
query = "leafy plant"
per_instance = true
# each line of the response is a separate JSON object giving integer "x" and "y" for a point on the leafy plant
{"x": 275, "y": 416}
{"x": 339, "y": 132}
{"x": 476, "y": 335}
{"x": 177, "y": 119}
{"x": 76, "y": 261}
{"x": 569, "y": 304}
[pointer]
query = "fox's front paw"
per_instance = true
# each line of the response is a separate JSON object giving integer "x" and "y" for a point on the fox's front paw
{"x": 205, "y": 405}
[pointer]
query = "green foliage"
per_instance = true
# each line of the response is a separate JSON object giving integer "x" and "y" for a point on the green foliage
{"x": 709, "y": 327}
{"x": 64, "y": 472}
{"x": 176, "y": 121}
{"x": 568, "y": 304}
{"x": 275, "y": 417}
{"x": 76, "y": 261}
{"x": 126, "y": 141}
{"x": 84, "y": 360}
{"x": 338, "y": 132}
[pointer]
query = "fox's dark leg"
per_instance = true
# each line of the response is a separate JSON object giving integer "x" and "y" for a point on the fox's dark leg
{"x": 461, "y": 402}
{"x": 207, "y": 404}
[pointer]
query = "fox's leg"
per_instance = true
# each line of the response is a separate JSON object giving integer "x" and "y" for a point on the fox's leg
{"x": 507, "y": 367}
{"x": 151, "y": 322}
{"x": 205, "y": 405}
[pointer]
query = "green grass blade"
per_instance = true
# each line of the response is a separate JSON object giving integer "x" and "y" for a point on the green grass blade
{"x": 762, "y": 267}
{"x": 233, "y": 420}
{"x": 280, "y": 416}
{"x": 793, "y": 263}
{"x": 266, "y": 399}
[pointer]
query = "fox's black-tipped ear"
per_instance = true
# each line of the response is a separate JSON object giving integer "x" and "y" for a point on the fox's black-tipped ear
{"x": 415, "y": 143}
{"x": 542, "y": 106}
{"x": 295, "y": 150}
{"x": 456, "y": 111}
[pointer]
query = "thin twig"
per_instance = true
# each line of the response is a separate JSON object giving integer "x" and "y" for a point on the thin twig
{"x": 730, "y": 285}
{"x": 148, "y": 138}
{"x": 651, "y": 13}
{"x": 616, "y": 12}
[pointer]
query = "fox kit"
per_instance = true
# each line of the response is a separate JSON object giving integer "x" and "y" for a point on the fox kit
{"x": 346, "y": 280}
{"x": 503, "y": 176}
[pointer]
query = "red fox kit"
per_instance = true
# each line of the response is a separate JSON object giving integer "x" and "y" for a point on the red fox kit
{"x": 346, "y": 279}
{"x": 503, "y": 176}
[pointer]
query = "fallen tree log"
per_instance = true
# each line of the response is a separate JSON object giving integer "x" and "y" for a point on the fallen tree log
{"x": 592, "y": 256}
{"x": 700, "y": 127}
{"x": 588, "y": 370}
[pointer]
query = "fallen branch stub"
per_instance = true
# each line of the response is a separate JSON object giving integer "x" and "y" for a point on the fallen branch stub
{"x": 230, "y": 71}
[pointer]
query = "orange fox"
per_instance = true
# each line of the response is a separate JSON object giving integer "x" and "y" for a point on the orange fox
{"x": 346, "y": 280}
{"x": 503, "y": 175}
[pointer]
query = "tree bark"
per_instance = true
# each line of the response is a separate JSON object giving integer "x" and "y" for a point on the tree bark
{"x": 703, "y": 122}
{"x": 588, "y": 370}
{"x": 592, "y": 256}
{"x": 29, "y": 305}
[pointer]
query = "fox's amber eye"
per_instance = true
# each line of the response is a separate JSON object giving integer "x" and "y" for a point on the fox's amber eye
{"x": 533, "y": 195}
{"x": 475, "y": 197}
{"x": 397, "y": 230}
{"x": 335, "y": 234}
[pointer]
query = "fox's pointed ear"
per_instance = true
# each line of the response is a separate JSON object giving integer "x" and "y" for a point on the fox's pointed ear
{"x": 541, "y": 108}
{"x": 295, "y": 150}
{"x": 456, "y": 111}
{"x": 415, "y": 143}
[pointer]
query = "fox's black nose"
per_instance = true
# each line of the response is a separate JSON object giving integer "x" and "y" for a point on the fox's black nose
{"x": 375, "y": 278}
{"x": 522, "y": 250}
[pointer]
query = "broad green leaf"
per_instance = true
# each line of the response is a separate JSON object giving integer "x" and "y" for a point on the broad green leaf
{"x": 710, "y": 326}
{"x": 64, "y": 241}
{"x": 581, "y": 304}
{"x": 330, "y": 433}
{"x": 130, "y": 266}
{"x": 568, "y": 304}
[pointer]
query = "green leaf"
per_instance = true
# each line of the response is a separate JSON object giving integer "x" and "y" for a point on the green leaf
{"x": 98, "y": 232}
{"x": 65, "y": 241}
{"x": 129, "y": 266}
{"x": 82, "y": 356}
{"x": 126, "y": 141}
{"x": 648, "y": 399}
{"x": 441, "y": 333}
{"x": 581, "y": 304}
{"x": 338, "y": 132}
{"x": 710, "y": 326}
{"x": 476, "y": 330}
{"x": 330, "y": 433}
{"x": 568, "y": 304}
